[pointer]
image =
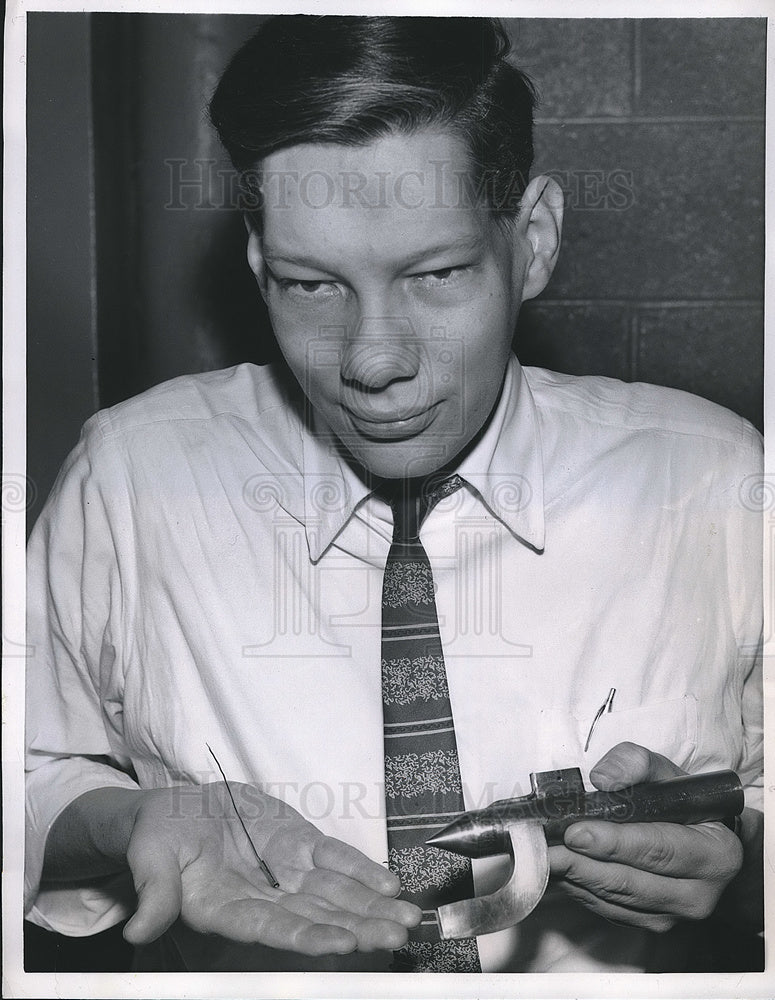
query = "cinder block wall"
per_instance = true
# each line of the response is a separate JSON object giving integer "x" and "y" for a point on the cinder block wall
{"x": 655, "y": 129}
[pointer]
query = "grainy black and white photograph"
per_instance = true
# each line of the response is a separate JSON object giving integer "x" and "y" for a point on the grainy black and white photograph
{"x": 394, "y": 503}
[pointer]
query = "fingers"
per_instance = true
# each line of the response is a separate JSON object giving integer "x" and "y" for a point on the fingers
{"x": 236, "y": 909}
{"x": 300, "y": 922}
{"x": 343, "y": 891}
{"x": 248, "y": 920}
{"x": 630, "y": 764}
{"x": 632, "y": 894}
{"x": 340, "y": 857}
{"x": 658, "y": 922}
{"x": 706, "y": 851}
{"x": 635, "y": 873}
{"x": 371, "y": 933}
{"x": 158, "y": 885}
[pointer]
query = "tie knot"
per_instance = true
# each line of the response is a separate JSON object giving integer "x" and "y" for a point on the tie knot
{"x": 411, "y": 500}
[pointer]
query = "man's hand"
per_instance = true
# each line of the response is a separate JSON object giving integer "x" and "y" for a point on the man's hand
{"x": 645, "y": 874}
{"x": 189, "y": 858}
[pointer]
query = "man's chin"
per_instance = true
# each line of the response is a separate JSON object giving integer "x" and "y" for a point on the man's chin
{"x": 400, "y": 459}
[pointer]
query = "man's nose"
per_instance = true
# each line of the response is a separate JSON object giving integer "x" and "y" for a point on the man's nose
{"x": 380, "y": 350}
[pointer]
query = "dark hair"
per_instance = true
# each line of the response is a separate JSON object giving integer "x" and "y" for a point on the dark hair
{"x": 350, "y": 80}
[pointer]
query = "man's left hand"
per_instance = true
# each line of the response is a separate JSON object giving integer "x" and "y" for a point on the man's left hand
{"x": 645, "y": 874}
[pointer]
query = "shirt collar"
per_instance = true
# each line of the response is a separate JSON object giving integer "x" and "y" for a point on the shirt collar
{"x": 505, "y": 468}
{"x": 332, "y": 489}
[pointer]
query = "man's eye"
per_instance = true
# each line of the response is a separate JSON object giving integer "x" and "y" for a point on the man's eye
{"x": 308, "y": 289}
{"x": 441, "y": 277}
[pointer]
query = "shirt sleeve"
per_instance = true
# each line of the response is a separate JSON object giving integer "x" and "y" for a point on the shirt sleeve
{"x": 73, "y": 605}
{"x": 746, "y": 577}
{"x": 752, "y": 768}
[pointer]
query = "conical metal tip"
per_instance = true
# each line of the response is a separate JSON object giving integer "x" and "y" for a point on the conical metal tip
{"x": 455, "y": 838}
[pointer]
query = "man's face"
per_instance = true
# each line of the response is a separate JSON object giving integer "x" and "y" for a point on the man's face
{"x": 393, "y": 297}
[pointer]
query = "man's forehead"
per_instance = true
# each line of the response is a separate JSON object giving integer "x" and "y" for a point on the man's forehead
{"x": 424, "y": 169}
{"x": 402, "y": 192}
{"x": 391, "y": 153}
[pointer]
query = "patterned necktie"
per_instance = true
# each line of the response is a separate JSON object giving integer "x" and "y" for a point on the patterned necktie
{"x": 423, "y": 790}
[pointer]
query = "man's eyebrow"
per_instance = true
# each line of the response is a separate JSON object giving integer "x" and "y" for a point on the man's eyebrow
{"x": 468, "y": 244}
{"x": 465, "y": 244}
{"x": 299, "y": 259}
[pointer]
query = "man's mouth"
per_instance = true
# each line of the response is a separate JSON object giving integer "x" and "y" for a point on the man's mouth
{"x": 388, "y": 428}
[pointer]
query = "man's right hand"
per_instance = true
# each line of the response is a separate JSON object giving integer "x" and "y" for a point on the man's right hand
{"x": 189, "y": 858}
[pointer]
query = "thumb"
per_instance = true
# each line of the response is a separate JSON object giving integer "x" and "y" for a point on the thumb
{"x": 157, "y": 881}
{"x": 630, "y": 764}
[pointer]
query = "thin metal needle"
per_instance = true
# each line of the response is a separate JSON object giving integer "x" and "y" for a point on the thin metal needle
{"x": 262, "y": 864}
{"x": 605, "y": 707}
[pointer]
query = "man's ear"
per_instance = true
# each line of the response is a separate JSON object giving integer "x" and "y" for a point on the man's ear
{"x": 540, "y": 219}
{"x": 256, "y": 254}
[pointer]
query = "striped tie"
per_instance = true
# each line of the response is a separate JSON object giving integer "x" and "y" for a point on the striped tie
{"x": 423, "y": 790}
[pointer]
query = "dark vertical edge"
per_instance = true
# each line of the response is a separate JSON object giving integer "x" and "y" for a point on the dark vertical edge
{"x": 119, "y": 302}
{"x": 634, "y": 321}
{"x": 637, "y": 66}
{"x": 92, "y": 205}
{"x": 59, "y": 245}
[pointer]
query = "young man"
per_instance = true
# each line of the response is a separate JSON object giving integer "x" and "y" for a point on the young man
{"x": 218, "y": 567}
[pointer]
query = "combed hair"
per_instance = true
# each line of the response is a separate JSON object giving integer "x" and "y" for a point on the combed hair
{"x": 350, "y": 80}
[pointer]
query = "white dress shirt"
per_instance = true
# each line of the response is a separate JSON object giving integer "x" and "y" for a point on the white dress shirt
{"x": 209, "y": 569}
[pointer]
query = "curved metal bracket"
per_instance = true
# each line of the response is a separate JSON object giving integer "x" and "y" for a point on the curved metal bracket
{"x": 515, "y": 899}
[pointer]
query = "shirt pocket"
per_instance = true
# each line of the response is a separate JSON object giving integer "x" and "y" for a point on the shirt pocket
{"x": 666, "y": 727}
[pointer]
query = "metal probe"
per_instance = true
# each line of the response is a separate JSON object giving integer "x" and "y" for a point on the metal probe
{"x": 558, "y": 800}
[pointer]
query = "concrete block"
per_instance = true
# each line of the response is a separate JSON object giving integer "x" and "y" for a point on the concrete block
{"x": 714, "y": 350}
{"x": 582, "y": 66}
{"x": 702, "y": 66}
{"x": 583, "y": 339}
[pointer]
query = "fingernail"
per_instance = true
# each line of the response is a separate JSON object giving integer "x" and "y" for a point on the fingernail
{"x": 579, "y": 838}
{"x": 610, "y": 771}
